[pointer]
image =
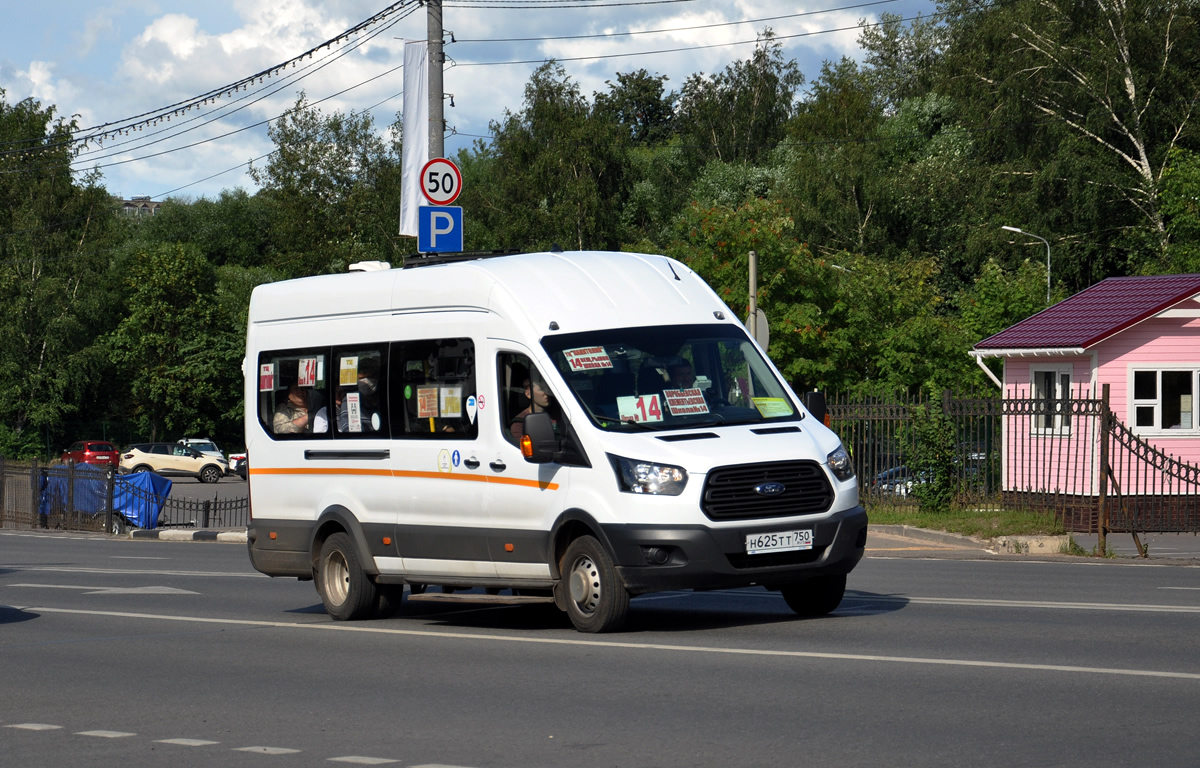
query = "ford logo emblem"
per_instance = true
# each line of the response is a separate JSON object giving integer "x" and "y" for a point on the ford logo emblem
{"x": 770, "y": 489}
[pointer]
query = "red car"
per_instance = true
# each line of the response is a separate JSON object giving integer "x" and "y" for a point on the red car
{"x": 98, "y": 452}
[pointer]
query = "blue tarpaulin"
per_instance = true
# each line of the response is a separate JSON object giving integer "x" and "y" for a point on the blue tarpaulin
{"x": 139, "y": 497}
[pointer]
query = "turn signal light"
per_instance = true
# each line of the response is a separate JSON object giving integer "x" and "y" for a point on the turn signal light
{"x": 387, "y": 541}
{"x": 526, "y": 446}
{"x": 272, "y": 535}
{"x": 508, "y": 547}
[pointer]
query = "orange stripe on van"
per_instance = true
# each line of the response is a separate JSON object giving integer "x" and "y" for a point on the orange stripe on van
{"x": 518, "y": 481}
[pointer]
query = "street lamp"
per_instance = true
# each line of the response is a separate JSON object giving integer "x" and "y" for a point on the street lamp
{"x": 1030, "y": 234}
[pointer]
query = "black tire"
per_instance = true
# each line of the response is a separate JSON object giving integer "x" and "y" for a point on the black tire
{"x": 346, "y": 591}
{"x": 596, "y": 599}
{"x": 210, "y": 474}
{"x": 816, "y": 596}
{"x": 142, "y": 468}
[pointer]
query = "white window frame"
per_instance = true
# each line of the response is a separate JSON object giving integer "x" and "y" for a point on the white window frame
{"x": 1133, "y": 404}
{"x": 1062, "y": 393}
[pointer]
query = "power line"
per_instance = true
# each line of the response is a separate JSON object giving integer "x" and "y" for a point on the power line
{"x": 673, "y": 29}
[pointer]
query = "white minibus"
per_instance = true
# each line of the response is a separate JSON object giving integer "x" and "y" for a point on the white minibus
{"x": 575, "y": 428}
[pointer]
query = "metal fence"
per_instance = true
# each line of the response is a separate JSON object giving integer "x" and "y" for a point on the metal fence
{"x": 68, "y": 497}
{"x": 1067, "y": 454}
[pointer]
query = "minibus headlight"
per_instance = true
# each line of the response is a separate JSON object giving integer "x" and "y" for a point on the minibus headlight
{"x": 839, "y": 464}
{"x": 647, "y": 477}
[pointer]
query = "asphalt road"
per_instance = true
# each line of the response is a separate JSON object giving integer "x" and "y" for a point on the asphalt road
{"x": 133, "y": 652}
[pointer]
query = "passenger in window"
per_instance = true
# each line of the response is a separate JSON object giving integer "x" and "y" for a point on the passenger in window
{"x": 291, "y": 415}
{"x": 681, "y": 375}
{"x": 540, "y": 400}
{"x": 321, "y": 420}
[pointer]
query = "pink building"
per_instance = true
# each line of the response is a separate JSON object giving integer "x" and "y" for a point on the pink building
{"x": 1139, "y": 335}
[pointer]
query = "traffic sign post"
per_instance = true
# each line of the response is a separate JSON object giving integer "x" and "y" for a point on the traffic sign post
{"x": 440, "y": 229}
{"x": 441, "y": 181}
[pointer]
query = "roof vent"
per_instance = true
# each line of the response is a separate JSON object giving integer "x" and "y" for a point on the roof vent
{"x": 369, "y": 266}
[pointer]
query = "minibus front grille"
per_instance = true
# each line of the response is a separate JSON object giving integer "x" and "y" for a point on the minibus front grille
{"x": 735, "y": 493}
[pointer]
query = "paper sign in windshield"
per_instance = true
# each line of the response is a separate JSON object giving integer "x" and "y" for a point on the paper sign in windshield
{"x": 348, "y": 374}
{"x": 640, "y": 408}
{"x": 587, "y": 358}
{"x": 353, "y": 412}
{"x": 307, "y": 371}
{"x": 685, "y": 402}
{"x": 427, "y": 402}
{"x": 266, "y": 377}
{"x": 771, "y": 407}
{"x": 451, "y": 403}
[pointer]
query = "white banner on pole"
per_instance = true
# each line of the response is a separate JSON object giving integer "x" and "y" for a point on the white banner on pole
{"x": 416, "y": 132}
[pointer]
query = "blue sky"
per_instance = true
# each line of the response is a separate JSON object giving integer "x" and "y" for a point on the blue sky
{"x": 105, "y": 61}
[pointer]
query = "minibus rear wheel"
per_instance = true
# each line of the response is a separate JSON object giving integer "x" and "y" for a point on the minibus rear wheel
{"x": 346, "y": 591}
{"x": 596, "y": 599}
{"x": 816, "y": 596}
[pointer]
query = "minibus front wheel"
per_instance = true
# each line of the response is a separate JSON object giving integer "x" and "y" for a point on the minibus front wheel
{"x": 345, "y": 589}
{"x": 595, "y": 597}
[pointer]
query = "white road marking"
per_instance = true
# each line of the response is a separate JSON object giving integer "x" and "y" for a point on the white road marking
{"x": 106, "y": 734}
{"x": 341, "y": 627}
{"x": 268, "y": 750}
{"x": 187, "y": 742}
{"x": 95, "y": 590}
{"x": 34, "y": 726}
{"x": 128, "y": 571}
{"x": 360, "y": 760}
{"x": 1187, "y": 588}
{"x": 126, "y": 557}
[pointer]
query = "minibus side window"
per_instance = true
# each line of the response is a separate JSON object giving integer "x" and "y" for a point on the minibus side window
{"x": 359, "y": 381}
{"x": 432, "y": 388}
{"x": 293, "y": 393}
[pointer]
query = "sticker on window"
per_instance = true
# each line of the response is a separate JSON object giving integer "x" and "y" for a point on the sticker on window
{"x": 427, "y": 402}
{"x": 307, "y": 372}
{"x": 685, "y": 402}
{"x": 266, "y": 377}
{"x": 348, "y": 376}
{"x": 772, "y": 407}
{"x": 639, "y": 408}
{"x": 451, "y": 402}
{"x": 587, "y": 358}
{"x": 353, "y": 412}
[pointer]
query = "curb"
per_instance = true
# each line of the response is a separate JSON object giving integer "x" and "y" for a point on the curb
{"x": 232, "y": 537}
{"x": 923, "y": 534}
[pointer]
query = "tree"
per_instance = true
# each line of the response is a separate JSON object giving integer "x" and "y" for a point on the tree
{"x": 557, "y": 171}
{"x": 55, "y": 236}
{"x": 168, "y": 343}
{"x": 639, "y": 103}
{"x": 739, "y": 115}
{"x": 332, "y": 192}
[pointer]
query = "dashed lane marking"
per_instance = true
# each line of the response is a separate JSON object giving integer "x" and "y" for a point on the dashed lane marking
{"x": 98, "y": 590}
{"x": 34, "y": 726}
{"x": 360, "y": 760}
{"x": 664, "y": 647}
{"x": 106, "y": 734}
{"x": 268, "y": 750}
{"x": 187, "y": 742}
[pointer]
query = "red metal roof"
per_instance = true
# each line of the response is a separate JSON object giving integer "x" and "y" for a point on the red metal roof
{"x": 1093, "y": 315}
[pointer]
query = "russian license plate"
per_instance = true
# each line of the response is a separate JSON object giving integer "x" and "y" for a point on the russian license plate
{"x": 780, "y": 541}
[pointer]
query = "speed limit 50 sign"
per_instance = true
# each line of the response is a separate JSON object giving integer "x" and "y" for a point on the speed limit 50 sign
{"x": 441, "y": 181}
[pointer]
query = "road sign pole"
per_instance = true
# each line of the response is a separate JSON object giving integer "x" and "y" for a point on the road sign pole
{"x": 437, "y": 58}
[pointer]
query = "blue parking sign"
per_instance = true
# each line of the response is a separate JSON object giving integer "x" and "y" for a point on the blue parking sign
{"x": 439, "y": 228}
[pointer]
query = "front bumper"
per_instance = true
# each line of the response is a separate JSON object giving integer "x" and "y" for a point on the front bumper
{"x": 699, "y": 557}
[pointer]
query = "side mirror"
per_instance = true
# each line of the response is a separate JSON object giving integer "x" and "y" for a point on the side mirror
{"x": 815, "y": 403}
{"x": 539, "y": 443}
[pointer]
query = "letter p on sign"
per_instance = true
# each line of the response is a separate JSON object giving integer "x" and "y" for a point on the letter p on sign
{"x": 440, "y": 229}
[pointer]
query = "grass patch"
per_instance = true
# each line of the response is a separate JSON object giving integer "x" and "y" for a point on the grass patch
{"x": 984, "y": 523}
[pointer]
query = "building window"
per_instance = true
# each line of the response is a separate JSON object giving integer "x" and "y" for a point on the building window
{"x": 1163, "y": 399}
{"x": 1052, "y": 395}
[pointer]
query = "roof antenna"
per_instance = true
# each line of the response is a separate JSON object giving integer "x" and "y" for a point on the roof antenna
{"x": 672, "y": 268}
{"x": 555, "y": 248}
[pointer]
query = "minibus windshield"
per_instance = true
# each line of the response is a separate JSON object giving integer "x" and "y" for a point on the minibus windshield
{"x": 670, "y": 377}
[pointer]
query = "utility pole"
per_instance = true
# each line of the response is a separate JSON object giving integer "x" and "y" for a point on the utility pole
{"x": 437, "y": 58}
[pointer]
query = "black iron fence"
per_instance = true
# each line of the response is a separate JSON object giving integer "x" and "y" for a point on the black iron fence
{"x": 85, "y": 498}
{"x": 1065, "y": 453}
